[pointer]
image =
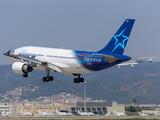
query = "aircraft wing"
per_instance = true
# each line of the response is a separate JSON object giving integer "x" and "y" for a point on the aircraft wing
{"x": 56, "y": 67}
{"x": 32, "y": 62}
{"x": 134, "y": 61}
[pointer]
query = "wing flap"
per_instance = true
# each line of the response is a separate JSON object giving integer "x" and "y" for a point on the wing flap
{"x": 61, "y": 67}
{"x": 54, "y": 67}
{"x": 58, "y": 67}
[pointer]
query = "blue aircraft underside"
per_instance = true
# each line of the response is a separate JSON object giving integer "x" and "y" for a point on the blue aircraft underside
{"x": 95, "y": 62}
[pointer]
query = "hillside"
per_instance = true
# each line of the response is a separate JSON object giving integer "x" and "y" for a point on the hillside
{"x": 118, "y": 84}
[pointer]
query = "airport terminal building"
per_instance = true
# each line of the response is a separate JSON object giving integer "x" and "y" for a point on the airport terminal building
{"x": 95, "y": 107}
{"x": 98, "y": 107}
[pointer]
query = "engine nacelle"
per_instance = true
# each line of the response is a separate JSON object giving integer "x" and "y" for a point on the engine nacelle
{"x": 21, "y": 68}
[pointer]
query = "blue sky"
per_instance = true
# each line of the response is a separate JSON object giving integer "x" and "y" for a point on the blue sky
{"x": 79, "y": 24}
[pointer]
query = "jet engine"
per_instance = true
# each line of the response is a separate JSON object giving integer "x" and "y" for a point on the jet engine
{"x": 21, "y": 68}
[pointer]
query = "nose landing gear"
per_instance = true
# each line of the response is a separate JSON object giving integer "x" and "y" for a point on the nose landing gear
{"x": 25, "y": 75}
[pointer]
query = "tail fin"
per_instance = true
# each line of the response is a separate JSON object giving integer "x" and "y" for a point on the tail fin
{"x": 78, "y": 111}
{"x": 118, "y": 42}
{"x": 57, "y": 111}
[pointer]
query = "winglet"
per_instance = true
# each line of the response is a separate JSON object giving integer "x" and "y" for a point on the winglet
{"x": 7, "y": 53}
{"x": 150, "y": 60}
{"x": 10, "y": 54}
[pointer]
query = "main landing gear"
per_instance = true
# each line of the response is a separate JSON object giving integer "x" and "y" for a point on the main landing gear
{"x": 78, "y": 79}
{"x": 25, "y": 75}
{"x": 50, "y": 78}
{"x": 47, "y": 78}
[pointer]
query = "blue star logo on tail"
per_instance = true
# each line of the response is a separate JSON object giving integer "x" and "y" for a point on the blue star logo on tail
{"x": 120, "y": 40}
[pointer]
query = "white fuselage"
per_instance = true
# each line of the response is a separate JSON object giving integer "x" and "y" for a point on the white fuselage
{"x": 62, "y": 113}
{"x": 141, "y": 114}
{"x": 44, "y": 113}
{"x": 27, "y": 114}
{"x": 120, "y": 114}
{"x": 60, "y": 57}
{"x": 83, "y": 113}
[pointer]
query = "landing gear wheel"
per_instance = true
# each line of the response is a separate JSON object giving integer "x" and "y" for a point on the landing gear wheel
{"x": 82, "y": 79}
{"x": 47, "y": 79}
{"x": 25, "y": 75}
{"x": 51, "y": 78}
{"x": 44, "y": 79}
{"x": 78, "y": 80}
{"x": 75, "y": 80}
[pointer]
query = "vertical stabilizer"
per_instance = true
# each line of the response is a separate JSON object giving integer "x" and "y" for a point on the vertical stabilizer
{"x": 118, "y": 42}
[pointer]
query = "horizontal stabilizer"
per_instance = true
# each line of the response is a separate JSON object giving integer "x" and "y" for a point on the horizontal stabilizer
{"x": 134, "y": 61}
{"x": 149, "y": 59}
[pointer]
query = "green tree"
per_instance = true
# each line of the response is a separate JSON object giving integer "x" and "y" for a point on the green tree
{"x": 132, "y": 109}
{"x": 134, "y": 101}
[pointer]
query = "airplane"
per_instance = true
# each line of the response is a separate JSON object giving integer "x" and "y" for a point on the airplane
{"x": 75, "y": 62}
{"x": 119, "y": 114}
{"x": 142, "y": 114}
{"x": 60, "y": 113}
{"x": 156, "y": 114}
{"x": 82, "y": 113}
{"x": 6, "y": 114}
{"x": 44, "y": 113}
{"x": 50, "y": 114}
{"x": 90, "y": 113}
{"x": 26, "y": 113}
{"x": 108, "y": 114}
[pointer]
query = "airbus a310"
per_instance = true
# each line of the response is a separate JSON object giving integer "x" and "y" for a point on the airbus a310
{"x": 74, "y": 62}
